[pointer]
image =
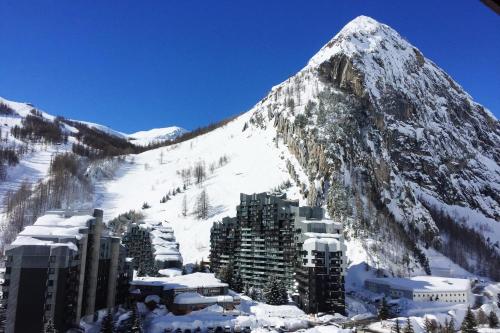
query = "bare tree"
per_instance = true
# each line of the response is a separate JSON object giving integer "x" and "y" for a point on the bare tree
{"x": 186, "y": 177}
{"x": 200, "y": 173}
{"x": 184, "y": 206}
{"x": 161, "y": 156}
{"x": 202, "y": 205}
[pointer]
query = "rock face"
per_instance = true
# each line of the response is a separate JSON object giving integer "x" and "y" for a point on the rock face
{"x": 370, "y": 112}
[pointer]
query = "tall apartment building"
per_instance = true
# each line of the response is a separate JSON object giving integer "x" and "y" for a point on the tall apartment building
{"x": 273, "y": 236}
{"x": 153, "y": 247}
{"x": 321, "y": 261}
{"x": 60, "y": 269}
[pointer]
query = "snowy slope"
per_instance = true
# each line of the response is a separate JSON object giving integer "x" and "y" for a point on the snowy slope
{"x": 255, "y": 165}
{"x": 34, "y": 165}
{"x": 143, "y": 138}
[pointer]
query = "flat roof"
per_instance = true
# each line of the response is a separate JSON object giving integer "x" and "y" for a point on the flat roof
{"x": 425, "y": 283}
{"x": 60, "y": 220}
{"x": 195, "y": 280}
{"x": 25, "y": 240}
{"x": 195, "y": 298}
{"x": 51, "y": 231}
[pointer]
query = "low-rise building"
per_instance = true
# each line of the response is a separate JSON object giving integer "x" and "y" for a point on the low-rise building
{"x": 185, "y": 293}
{"x": 423, "y": 288}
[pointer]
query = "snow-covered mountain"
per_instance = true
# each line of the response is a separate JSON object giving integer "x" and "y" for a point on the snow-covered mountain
{"x": 370, "y": 129}
{"x": 369, "y": 118}
{"x": 143, "y": 138}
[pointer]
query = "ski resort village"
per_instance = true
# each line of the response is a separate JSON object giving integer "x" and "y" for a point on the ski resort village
{"x": 360, "y": 194}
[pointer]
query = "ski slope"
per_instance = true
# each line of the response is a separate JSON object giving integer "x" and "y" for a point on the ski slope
{"x": 255, "y": 165}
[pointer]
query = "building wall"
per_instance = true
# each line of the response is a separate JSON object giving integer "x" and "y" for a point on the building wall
{"x": 45, "y": 282}
{"x": 459, "y": 296}
{"x": 385, "y": 287}
{"x": 30, "y": 300}
{"x": 264, "y": 240}
{"x": 320, "y": 267}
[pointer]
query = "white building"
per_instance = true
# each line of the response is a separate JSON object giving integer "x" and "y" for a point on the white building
{"x": 423, "y": 288}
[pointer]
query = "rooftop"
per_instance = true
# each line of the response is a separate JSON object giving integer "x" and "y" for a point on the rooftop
{"x": 425, "y": 283}
{"x": 54, "y": 219}
{"x": 24, "y": 240}
{"x": 41, "y": 231}
{"x": 195, "y": 298}
{"x": 195, "y": 280}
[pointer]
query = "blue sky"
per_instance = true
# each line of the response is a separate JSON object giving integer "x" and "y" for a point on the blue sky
{"x": 135, "y": 65}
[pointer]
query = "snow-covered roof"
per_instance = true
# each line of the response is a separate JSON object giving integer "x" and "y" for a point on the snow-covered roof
{"x": 170, "y": 272}
{"x": 62, "y": 221}
{"x": 25, "y": 240}
{"x": 195, "y": 298}
{"x": 324, "y": 221}
{"x": 40, "y": 231}
{"x": 425, "y": 283}
{"x": 168, "y": 257}
{"x": 195, "y": 280}
{"x": 322, "y": 243}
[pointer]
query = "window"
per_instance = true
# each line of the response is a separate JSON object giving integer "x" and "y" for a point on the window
{"x": 50, "y": 283}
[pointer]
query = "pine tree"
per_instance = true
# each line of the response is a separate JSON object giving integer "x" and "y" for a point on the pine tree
{"x": 107, "y": 323}
{"x": 396, "y": 328}
{"x": 450, "y": 325}
{"x": 226, "y": 273}
{"x": 445, "y": 328}
{"x": 255, "y": 294}
{"x": 383, "y": 311}
{"x": 202, "y": 205}
{"x": 469, "y": 325}
{"x": 429, "y": 325}
{"x": 237, "y": 283}
{"x": 275, "y": 292}
{"x": 409, "y": 327}
{"x": 493, "y": 320}
{"x": 246, "y": 290}
{"x": 196, "y": 267}
{"x": 481, "y": 317}
{"x": 135, "y": 321}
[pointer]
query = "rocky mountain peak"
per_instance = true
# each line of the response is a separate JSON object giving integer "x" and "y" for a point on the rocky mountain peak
{"x": 370, "y": 112}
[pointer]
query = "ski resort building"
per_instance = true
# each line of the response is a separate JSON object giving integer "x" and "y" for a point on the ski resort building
{"x": 423, "y": 288}
{"x": 186, "y": 293}
{"x": 321, "y": 261}
{"x": 60, "y": 269}
{"x": 273, "y": 236}
{"x": 153, "y": 247}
